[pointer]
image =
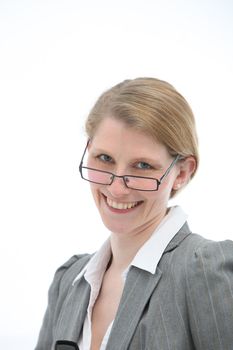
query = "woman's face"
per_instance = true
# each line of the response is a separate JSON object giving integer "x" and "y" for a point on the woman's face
{"x": 123, "y": 150}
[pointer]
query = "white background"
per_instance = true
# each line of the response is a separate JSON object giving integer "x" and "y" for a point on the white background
{"x": 56, "y": 57}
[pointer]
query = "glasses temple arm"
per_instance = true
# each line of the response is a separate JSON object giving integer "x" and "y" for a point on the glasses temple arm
{"x": 81, "y": 162}
{"x": 178, "y": 157}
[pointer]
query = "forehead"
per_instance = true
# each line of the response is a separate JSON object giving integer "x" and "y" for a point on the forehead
{"x": 115, "y": 136}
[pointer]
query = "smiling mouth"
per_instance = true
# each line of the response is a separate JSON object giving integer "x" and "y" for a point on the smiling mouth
{"x": 121, "y": 206}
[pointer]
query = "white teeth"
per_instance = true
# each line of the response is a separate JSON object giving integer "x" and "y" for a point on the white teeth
{"x": 116, "y": 205}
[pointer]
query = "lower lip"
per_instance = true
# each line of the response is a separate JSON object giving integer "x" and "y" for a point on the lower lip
{"x": 121, "y": 211}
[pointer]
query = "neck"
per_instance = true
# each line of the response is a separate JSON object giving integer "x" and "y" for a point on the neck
{"x": 125, "y": 246}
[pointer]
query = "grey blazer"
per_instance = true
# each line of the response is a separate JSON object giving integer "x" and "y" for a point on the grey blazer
{"x": 187, "y": 304}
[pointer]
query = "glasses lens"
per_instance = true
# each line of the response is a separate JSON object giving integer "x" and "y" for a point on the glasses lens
{"x": 141, "y": 183}
{"x": 105, "y": 178}
{"x": 96, "y": 176}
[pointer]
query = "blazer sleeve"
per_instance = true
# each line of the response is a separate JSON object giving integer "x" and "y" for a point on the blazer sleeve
{"x": 209, "y": 278}
{"x": 56, "y": 295}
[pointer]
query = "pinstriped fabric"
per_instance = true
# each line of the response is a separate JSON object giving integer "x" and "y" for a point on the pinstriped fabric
{"x": 191, "y": 306}
{"x": 178, "y": 304}
{"x": 227, "y": 275}
{"x": 186, "y": 305}
{"x": 57, "y": 297}
{"x": 210, "y": 295}
{"x": 165, "y": 329}
{"x": 211, "y": 301}
{"x": 172, "y": 324}
{"x": 127, "y": 317}
{"x": 192, "y": 314}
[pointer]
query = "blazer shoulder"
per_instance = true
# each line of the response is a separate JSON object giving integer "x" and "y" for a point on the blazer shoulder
{"x": 206, "y": 256}
{"x": 66, "y": 273}
{"x": 198, "y": 255}
{"x": 75, "y": 261}
{"x": 200, "y": 245}
{"x": 58, "y": 290}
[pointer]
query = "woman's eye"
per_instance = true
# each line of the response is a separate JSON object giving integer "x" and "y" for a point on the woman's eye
{"x": 144, "y": 165}
{"x": 105, "y": 158}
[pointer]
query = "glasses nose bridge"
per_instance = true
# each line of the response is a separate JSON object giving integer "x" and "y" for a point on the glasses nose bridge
{"x": 123, "y": 177}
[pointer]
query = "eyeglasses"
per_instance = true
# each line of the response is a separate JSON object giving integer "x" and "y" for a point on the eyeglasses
{"x": 139, "y": 183}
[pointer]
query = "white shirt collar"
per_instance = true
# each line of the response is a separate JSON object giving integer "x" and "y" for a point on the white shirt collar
{"x": 148, "y": 256}
{"x": 151, "y": 252}
{"x": 97, "y": 264}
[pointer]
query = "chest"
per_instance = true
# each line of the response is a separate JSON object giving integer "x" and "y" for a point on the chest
{"x": 105, "y": 307}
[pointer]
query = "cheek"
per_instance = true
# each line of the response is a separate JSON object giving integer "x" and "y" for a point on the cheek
{"x": 96, "y": 191}
{"x": 167, "y": 185}
{"x": 151, "y": 200}
{"x": 159, "y": 197}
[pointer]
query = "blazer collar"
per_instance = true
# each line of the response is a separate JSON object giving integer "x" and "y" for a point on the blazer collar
{"x": 178, "y": 238}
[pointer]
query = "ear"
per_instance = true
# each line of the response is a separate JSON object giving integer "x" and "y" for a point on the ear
{"x": 186, "y": 167}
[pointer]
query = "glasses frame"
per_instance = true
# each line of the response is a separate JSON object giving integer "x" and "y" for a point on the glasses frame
{"x": 124, "y": 177}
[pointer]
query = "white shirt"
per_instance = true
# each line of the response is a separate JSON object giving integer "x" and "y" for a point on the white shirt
{"x": 147, "y": 258}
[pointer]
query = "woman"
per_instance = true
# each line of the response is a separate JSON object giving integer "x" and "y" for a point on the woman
{"x": 153, "y": 284}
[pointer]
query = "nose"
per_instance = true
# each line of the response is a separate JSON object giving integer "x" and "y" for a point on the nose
{"x": 118, "y": 187}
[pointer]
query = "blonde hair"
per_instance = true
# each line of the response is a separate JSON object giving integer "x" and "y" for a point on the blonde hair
{"x": 153, "y": 106}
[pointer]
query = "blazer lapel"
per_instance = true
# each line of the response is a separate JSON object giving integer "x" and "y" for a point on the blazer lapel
{"x": 139, "y": 286}
{"x": 73, "y": 312}
{"x": 138, "y": 289}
